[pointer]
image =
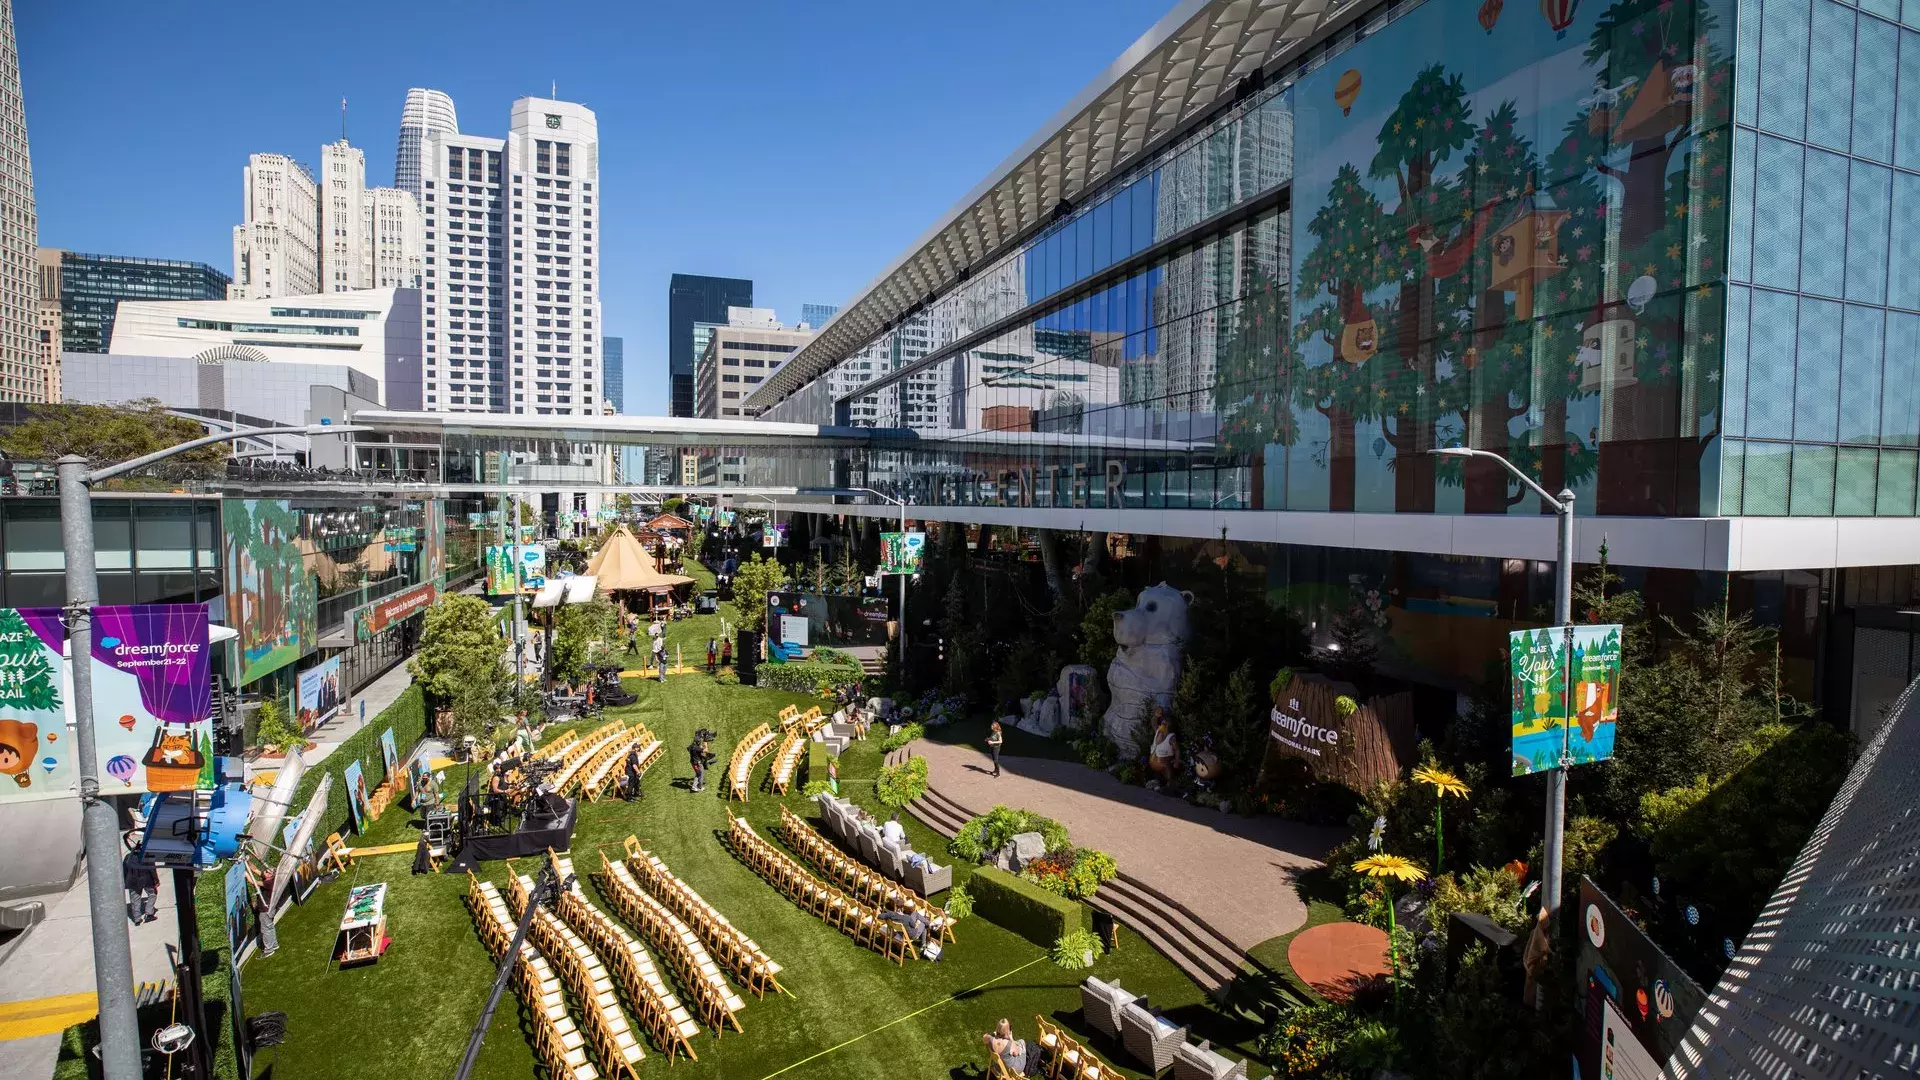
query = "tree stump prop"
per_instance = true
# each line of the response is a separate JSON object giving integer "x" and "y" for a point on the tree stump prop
{"x": 1375, "y": 743}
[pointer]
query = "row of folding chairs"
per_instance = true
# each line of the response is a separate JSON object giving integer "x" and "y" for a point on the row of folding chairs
{"x": 576, "y": 757}
{"x": 1062, "y": 1057}
{"x": 595, "y": 772}
{"x": 556, "y": 1038}
{"x": 676, "y": 943}
{"x": 750, "y": 966}
{"x": 746, "y": 753}
{"x": 608, "y": 774}
{"x": 854, "y": 876}
{"x": 615, "y": 1046}
{"x": 659, "y": 1010}
{"x": 791, "y": 716}
{"x": 786, "y": 760}
{"x": 835, "y": 908}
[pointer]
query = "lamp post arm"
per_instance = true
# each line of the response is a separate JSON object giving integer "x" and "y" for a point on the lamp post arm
{"x": 1551, "y": 499}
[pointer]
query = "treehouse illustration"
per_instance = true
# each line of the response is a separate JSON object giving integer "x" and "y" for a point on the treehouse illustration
{"x": 1607, "y": 349}
{"x": 1526, "y": 251}
{"x": 1359, "y": 334}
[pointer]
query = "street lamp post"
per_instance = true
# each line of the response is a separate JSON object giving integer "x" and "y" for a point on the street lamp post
{"x": 902, "y": 642}
{"x": 99, "y": 825}
{"x": 1562, "y": 617}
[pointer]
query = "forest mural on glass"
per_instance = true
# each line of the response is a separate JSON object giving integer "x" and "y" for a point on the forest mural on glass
{"x": 270, "y": 595}
{"x": 1509, "y": 234}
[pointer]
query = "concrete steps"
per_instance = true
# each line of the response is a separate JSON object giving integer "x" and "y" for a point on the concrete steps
{"x": 1203, "y": 953}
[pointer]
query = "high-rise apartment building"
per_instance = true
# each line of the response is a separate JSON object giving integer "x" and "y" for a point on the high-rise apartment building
{"x": 738, "y": 358}
{"x": 24, "y": 373}
{"x": 426, "y": 112}
{"x": 816, "y": 315}
{"x": 276, "y": 245}
{"x": 393, "y": 240}
{"x": 613, "y": 363}
{"x": 691, "y": 299}
{"x": 84, "y": 291}
{"x": 342, "y": 196}
{"x": 512, "y": 312}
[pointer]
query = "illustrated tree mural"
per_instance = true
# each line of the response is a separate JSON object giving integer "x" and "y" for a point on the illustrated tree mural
{"x": 1348, "y": 261}
{"x": 1429, "y": 124}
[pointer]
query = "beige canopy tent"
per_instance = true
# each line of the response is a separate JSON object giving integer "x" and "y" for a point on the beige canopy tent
{"x": 669, "y": 523}
{"x": 623, "y": 563}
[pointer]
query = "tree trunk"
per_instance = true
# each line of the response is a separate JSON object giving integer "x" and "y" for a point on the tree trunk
{"x": 1486, "y": 481}
{"x": 1644, "y": 211}
{"x": 1340, "y": 459}
{"x": 1050, "y": 559}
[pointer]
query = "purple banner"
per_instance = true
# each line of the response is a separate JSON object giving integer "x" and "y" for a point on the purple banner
{"x": 153, "y": 696}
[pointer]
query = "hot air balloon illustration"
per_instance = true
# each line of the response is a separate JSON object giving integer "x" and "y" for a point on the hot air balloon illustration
{"x": 127, "y": 722}
{"x": 1346, "y": 90}
{"x": 1490, "y": 14}
{"x": 121, "y": 767}
{"x": 49, "y": 763}
{"x": 1559, "y": 14}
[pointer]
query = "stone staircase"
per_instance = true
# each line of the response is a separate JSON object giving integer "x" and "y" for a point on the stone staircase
{"x": 1197, "y": 949}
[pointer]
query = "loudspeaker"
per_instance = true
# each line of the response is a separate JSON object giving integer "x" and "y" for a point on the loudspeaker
{"x": 746, "y": 656}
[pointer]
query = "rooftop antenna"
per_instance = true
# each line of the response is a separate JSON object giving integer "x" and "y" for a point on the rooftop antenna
{"x": 343, "y": 118}
{"x": 553, "y": 90}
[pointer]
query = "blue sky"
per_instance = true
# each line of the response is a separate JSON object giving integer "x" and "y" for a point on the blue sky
{"x": 801, "y": 144}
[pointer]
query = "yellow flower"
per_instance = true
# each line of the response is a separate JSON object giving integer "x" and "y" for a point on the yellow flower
{"x": 1389, "y": 866}
{"x": 1444, "y": 783}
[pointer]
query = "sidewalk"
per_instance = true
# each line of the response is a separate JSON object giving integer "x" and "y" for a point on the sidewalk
{"x": 56, "y": 957}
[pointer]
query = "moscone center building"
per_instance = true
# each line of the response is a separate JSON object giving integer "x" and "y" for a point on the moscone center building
{"x": 1663, "y": 254}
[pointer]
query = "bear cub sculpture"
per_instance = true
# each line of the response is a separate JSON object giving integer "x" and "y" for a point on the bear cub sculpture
{"x": 1152, "y": 636}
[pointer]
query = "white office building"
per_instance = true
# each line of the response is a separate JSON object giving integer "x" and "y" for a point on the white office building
{"x": 25, "y": 373}
{"x": 276, "y": 247}
{"x": 375, "y": 332}
{"x": 395, "y": 240}
{"x": 553, "y": 157}
{"x": 463, "y": 291}
{"x": 426, "y": 112}
{"x": 343, "y": 217}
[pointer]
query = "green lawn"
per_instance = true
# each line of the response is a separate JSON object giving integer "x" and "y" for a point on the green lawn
{"x": 852, "y": 1014}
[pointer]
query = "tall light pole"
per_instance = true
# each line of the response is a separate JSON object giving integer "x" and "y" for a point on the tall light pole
{"x": 902, "y": 643}
{"x": 1562, "y": 505}
{"x": 99, "y": 825}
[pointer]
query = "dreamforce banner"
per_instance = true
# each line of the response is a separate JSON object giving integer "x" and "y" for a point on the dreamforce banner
{"x": 152, "y": 697}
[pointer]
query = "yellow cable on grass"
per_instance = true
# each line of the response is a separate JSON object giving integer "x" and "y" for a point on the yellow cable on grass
{"x": 949, "y": 999}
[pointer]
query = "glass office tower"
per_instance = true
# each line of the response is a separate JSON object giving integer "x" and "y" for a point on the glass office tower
{"x": 92, "y": 286}
{"x": 693, "y": 298}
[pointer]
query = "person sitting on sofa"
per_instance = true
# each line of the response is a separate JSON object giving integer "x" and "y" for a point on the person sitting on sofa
{"x": 893, "y": 832}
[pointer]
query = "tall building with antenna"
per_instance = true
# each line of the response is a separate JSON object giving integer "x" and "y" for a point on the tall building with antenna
{"x": 426, "y": 112}
{"x": 24, "y": 375}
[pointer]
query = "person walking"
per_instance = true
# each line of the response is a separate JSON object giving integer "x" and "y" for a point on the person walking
{"x": 634, "y": 773}
{"x": 660, "y": 655}
{"x": 713, "y": 654}
{"x": 143, "y": 889}
{"x": 995, "y": 739}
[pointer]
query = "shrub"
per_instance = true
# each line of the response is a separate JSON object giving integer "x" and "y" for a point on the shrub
{"x": 959, "y": 902}
{"x": 1023, "y": 907}
{"x": 989, "y": 832}
{"x": 727, "y": 678}
{"x": 901, "y": 784}
{"x": 273, "y": 730}
{"x": 813, "y": 788}
{"x": 1076, "y": 949}
{"x": 1075, "y": 873}
{"x": 407, "y": 716}
{"x": 902, "y": 737}
{"x": 1345, "y": 705}
{"x": 1480, "y": 891}
{"x": 1309, "y": 1040}
{"x": 807, "y": 676}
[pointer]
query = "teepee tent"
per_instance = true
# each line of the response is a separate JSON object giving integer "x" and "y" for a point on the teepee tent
{"x": 622, "y": 563}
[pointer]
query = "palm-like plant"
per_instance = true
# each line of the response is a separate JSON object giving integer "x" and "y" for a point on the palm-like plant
{"x": 1444, "y": 784}
{"x": 1385, "y": 869}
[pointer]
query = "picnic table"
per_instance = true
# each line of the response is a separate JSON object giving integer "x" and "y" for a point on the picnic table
{"x": 363, "y": 928}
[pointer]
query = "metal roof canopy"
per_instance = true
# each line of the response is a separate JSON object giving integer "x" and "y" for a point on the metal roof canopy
{"x": 615, "y": 429}
{"x": 1193, "y": 59}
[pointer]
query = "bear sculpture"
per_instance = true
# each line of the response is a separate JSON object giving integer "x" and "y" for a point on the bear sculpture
{"x": 1146, "y": 669}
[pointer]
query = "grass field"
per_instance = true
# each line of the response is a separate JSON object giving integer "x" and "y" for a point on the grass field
{"x": 851, "y": 1016}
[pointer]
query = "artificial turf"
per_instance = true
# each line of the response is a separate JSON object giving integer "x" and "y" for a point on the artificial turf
{"x": 851, "y": 1014}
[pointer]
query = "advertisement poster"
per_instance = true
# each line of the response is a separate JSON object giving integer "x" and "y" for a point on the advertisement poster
{"x": 270, "y": 594}
{"x": 36, "y": 751}
{"x": 240, "y": 916}
{"x": 420, "y": 782}
{"x": 152, "y": 698}
{"x": 319, "y": 694}
{"x": 357, "y": 797}
{"x": 401, "y": 538}
{"x": 1621, "y": 1055}
{"x": 900, "y": 552}
{"x": 435, "y": 543}
{"x": 501, "y": 560}
{"x": 1639, "y": 1002}
{"x": 370, "y": 619}
{"x": 1540, "y": 662}
{"x": 774, "y": 535}
{"x": 390, "y": 754}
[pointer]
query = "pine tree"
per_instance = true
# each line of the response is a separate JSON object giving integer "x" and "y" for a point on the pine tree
{"x": 27, "y": 680}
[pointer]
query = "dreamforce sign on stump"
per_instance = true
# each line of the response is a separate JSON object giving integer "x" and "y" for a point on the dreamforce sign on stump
{"x": 1293, "y": 729}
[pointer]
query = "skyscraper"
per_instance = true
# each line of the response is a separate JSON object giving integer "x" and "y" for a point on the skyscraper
{"x": 613, "y": 360}
{"x": 275, "y": 246}
{"x": 393, "y": 239}
{"x": 24, "y": 373}
{"x": 816, "y": 315}
{"x": 426, "y": 112}
{"x": 342, "y": 196}
{"x": 538, "y": 351}
{"x": 694, "y": 298}
{"x": 86, "y": 290}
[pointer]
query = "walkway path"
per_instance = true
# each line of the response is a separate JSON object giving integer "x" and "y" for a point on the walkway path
{"x": 1234, "y": 873}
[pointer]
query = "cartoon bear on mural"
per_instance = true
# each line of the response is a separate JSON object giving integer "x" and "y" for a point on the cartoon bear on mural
{"x": 1151, "y": 636}
{"x": 19, "y": 742}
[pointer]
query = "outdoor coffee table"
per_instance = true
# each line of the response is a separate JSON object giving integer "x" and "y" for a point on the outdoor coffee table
{"x": 363, "y": 929}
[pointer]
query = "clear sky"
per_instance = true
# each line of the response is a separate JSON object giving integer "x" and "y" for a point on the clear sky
{"x": 802, "y": 144}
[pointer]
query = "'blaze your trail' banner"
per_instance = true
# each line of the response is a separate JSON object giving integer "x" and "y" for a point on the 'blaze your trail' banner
{"x": 1554, "y": 673}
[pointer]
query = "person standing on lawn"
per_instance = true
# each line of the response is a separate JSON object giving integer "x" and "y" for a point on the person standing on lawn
{"x": 713, "y": 654}
{"x": 995, "y": 739}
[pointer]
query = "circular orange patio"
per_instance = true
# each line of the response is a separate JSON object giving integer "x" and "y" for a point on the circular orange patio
{"x": 1335, "y": 959}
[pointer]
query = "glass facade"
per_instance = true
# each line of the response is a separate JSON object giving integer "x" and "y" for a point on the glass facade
{"x": 1823, "y": 305}
{"x": 92, "y": 286}
{"x": 613, "y": 363}
{"x": 693, "y": 298}
{"x": 147, "y": 551}
{"x": 1444, "y": 227}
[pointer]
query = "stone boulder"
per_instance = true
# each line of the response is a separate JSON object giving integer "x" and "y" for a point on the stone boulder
{"x": 1016, "y": 853}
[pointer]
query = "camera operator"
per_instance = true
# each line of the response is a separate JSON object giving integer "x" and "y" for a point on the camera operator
{"x": 700, "y": 755}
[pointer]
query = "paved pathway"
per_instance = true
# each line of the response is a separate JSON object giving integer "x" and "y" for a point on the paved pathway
{"x": 1236, "y": 873}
